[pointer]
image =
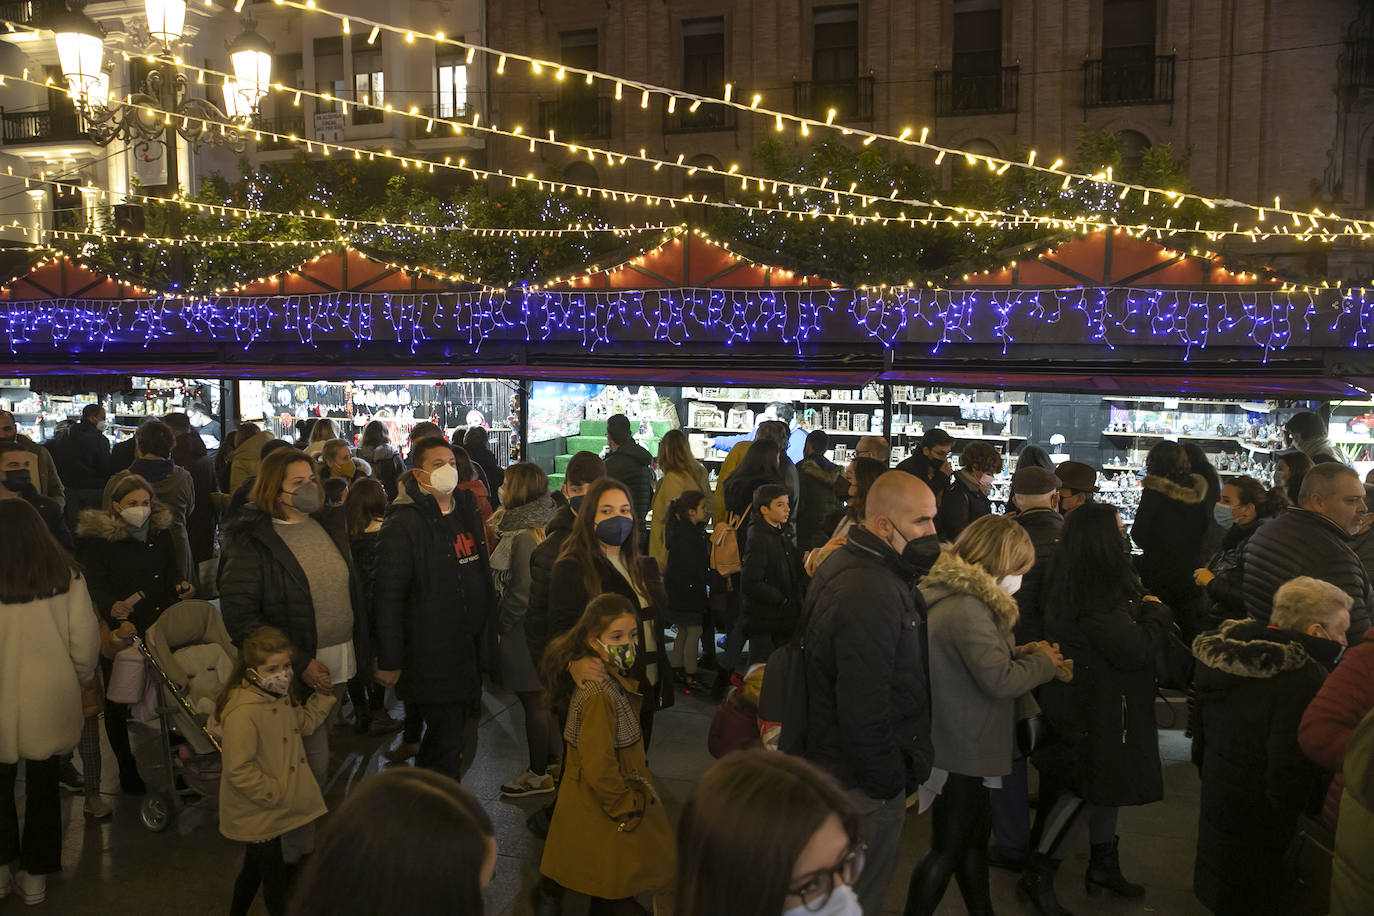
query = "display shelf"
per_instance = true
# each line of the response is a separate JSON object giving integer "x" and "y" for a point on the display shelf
{"x": 1185, "y": 401}
{"x": 896, "y": 403}
{"x": 1193, "y": 437}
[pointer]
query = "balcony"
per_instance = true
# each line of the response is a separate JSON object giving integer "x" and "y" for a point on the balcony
{"x": 576, "y": 118}
{"x": 30, "y": 12}
{"x": 24, "y": 128}
{"x": 1146, "y": 80}
{"x": 288, "y": 125}
{"x": 705, "y": 119}
{"x": 1357, "y": 64}
{"x": 437, "y": 130}
{"x": 852, "y": 99}
{"x": 976, "y": 93}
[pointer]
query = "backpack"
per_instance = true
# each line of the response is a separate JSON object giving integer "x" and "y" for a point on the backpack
{"x": 725, "y": 558}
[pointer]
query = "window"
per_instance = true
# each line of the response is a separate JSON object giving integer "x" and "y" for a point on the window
{"x": 68, "y": 208}
{"x": 703, "y": 56}
{"x": 452, "y": 73}
{"x": 367, "y": 80}
{"x": 329, "y": 73}
{"x": 977, "y": 37}
{"x": 835, "y": 45}
{"x": 1128, "y": 30}
{"x": 289, "y": 70}
{"x": 1133, "y": 147}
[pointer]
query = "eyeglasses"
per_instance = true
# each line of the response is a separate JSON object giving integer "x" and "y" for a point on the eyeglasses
{"x": 814, "y": 890}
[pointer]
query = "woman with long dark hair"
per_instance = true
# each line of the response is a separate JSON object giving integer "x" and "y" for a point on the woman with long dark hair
{"x": 49, "y": 642}
{"x": 601, "y": 556}
{"x": 376, "y": 449}
{"x": 766, "y": 833}
{"x": 1107, "y": 754}
{"x": 1245, "y": 505}
{"x": 1169, "y": 527}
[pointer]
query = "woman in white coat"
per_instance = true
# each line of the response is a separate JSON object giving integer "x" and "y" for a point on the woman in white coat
{"x": 49, "y": 641}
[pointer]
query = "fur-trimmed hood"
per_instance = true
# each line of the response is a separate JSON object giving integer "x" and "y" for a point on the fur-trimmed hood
{"x": 1250, "y": 648}
{"x": 818, "y": 467}
{"x": 99, "y": 523}
{"x": 952, "y": 574}
{"x": 1191, "y": 494}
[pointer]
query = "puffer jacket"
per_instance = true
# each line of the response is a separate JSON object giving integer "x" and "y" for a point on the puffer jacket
{"x": 1227, "y": 588}
{"x": 689, "y": 561}
{"x": 1344, "y": 700}
{"x": 1169, "y": 527}
{"x": 386, "y": 463}
{"x": 868, "y": 693}
{"x": 1252, "y": 684}
{"x": 433, "y": 596}
{"x": 772, "y": 582}
{"x": 117, "y": 564}
{"x": 262, "y": 584}
{"x": 816, "y": 477}
{"x": 538, "y": 626}
{"x": 975, "y": 674}
{"x": 1300, "y": 542}
{"x": 1045, "y": 526}
{"x": 632, "y": 465}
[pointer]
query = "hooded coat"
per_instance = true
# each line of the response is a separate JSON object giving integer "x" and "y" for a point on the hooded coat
{"x": 632, "y": 465}
{"x": 975, "y": 674}
{"x": 1169, "y": 527}
{"x": 816, "y": 477}
{"x": 1252, "y": 683}
{"x": 176, "y": 491}
{"x": 386, "y": 463}
{"x": 48, "y": 649}
{"x": 1300, "y": 542}
{"x": 117, "y": 564}
{"x": 433, "y": 596}
{"x": 867, "y": 689}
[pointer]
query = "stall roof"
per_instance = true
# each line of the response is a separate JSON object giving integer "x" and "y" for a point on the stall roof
{"x": 687, "y": 259}
{"x": 353, "y": 271}
{"x": 59, "y": 277}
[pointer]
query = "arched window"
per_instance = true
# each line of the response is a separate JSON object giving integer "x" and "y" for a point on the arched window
{"x": 980, "y": 147}
{"x": 712, "y": 184}
{"x": 581, "y": 173}
{"x": 1133, "y": 147}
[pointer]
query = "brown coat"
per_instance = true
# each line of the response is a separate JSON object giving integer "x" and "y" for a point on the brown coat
{"x": 267, "y": 788}
{"x": 610, "y": 836}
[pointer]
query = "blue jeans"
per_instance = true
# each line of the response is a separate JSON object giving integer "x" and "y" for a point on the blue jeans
{"x": 1011, "y": 813}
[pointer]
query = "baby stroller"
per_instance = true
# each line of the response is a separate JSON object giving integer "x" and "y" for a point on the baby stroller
{"x": 190, "y": 657}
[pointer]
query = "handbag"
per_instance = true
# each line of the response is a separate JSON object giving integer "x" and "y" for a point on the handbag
{"x": 128, "y": 676}
{"x": 1033, "y": 729}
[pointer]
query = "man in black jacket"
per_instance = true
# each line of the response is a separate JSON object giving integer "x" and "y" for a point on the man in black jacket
{"x": 816, "y": 500}
{"x": 432, "y": 597}
{"x": 631, "y": 464}
{"x": 584, "y": 469}
{"x": 1313, "y": 540}
{"x": 930, "y": 463}
{"x": 82, "y": 457}
{"x": 476, "y": 442}
{"x": 868, "y": 696}
{"x": 16, "y": 482}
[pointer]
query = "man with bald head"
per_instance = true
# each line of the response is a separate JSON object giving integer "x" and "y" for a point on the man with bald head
{"x": 874, "y": 447}
{"x": 868, "y": 704}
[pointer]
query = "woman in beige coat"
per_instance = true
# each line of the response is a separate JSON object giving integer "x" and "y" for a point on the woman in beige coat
{"x": 267, "y": 788}
{"x": 48, "y": 646}
{"x": 681, "y": 472}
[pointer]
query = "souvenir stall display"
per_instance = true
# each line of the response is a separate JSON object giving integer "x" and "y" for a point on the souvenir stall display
{"x": 41, "y": 415}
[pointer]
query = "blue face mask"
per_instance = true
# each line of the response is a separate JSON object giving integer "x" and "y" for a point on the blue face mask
{"x": 613, "y": 532}
{"x": 1223, "y": 515}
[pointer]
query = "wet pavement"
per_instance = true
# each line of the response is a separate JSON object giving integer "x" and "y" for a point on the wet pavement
{"x": 118, "y": 866}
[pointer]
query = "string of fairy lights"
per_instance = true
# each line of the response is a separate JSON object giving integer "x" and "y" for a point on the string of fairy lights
{"x": 909, "y": 137}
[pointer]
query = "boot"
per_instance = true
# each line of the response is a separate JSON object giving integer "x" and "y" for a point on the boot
{"x": 1036, "y": 887}
{"x": 1104, "y": 873}
{"x": 547, "y": 898}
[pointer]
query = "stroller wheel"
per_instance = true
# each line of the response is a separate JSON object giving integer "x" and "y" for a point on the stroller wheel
{"x": 156, "y": 813}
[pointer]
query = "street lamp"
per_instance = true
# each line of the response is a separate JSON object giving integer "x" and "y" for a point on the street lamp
{"x": 166, "y": 20}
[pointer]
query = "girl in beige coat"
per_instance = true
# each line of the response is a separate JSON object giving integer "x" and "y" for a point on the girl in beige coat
{"x": 267, "y": 788}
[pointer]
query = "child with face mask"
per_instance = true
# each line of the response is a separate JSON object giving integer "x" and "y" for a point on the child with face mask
{"x": 610, "y": 837}
{"x": 267, "y": 789}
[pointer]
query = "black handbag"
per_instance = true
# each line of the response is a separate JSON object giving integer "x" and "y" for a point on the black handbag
{"x": 1033, "y": 729}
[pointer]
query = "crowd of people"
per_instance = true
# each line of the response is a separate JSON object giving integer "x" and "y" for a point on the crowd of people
{"x": 879, "y": 640}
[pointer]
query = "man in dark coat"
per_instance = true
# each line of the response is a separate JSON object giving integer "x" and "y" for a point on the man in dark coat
{"x": 584, "y": 469}
{"x": 476, "y": 441}
{"x": 772, "y": 579}
{"x": 868, "y": 696}
{"x": 930, "y": 463}
{"x": 189, "y": 452}
{"x": 16, "y": 482}
{"x": 631, "y": 464}
{"x": 816, "y": 477}
{"x": 1313, "y": 540}
{"x": 83, "y": 460}
{"x": 44, "y": 471}
{"x": 433, "y": 596}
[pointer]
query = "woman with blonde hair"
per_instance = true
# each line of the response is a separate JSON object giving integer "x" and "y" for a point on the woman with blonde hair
{"x": 323, "y": 432}
{"x": 681, "y": 472}
{"x": 976, "y": 676}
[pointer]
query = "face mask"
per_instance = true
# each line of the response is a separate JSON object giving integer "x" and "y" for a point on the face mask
{"x": 985, "y": 482}
{"x": 843, "y": 902}
{"x": 1223, "y": 515}
{"x": 922, "y": 553}
{"x": 1280, "y": 479}
{"x": 136, "y": 516}
{"x": 623, "y": 657}
{"x": 575, "y": 502}
{"x": 100, "y": 426}
{"x": 19, "y": 481}
{"x": 614, "y": 532}
{"x": 306, "y": 498}
{"x": 444, "y": 479}
{"x": 841, "y": 489}
{"x": 1010, "y": 584}
{"x": 275, "y": 684}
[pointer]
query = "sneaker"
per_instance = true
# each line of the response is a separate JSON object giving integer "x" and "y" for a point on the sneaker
{"x": 33, "y": 888}
{"x": 97, "y": 808}
{"x": 528, "y": 783}
{"x": 68, "y": 778}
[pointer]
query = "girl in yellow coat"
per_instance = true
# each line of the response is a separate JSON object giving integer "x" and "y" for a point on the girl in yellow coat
{"x": 267, "y": 788}
{"x": 610, "y": 837}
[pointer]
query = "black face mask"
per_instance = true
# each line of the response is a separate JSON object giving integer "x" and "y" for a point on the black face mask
{"x": 842, "y": 489}
{"x": 19, "y": 481}
{"x": 575, "y": 502}
{"x": 922, "y": 553}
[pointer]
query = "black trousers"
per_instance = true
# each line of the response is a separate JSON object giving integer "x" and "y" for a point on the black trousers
{"x": 117, "y": 726}
{"x": 961, "y": 823}
{"x": 441, "y": 747}
{"x": 263, "y": 866}
{"x": 39, "y": 848}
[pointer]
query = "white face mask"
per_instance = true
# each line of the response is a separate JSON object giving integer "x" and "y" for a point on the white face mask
{"x": 443, "y": 479}
{"x": 100, "y": 425}
{"x": 135, "y": 516}
{"x": 843, "y": 902}
{"x": 1010, "y": 584}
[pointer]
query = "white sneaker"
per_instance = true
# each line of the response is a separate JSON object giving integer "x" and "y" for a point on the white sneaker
{"x": 33, "y": 888}
{"x": 6, "y": 881}
{"x": 98, "y": 808}
{"x": 528, "y": 783}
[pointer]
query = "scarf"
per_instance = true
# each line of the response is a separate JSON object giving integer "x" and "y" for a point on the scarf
{"x": 627, "y": 731}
